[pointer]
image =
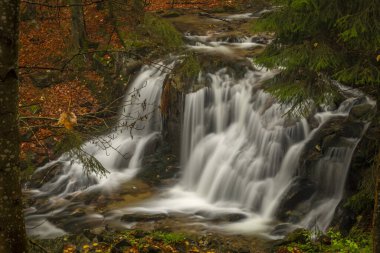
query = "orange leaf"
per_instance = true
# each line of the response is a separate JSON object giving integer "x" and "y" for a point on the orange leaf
{"x": 68, "y": 120}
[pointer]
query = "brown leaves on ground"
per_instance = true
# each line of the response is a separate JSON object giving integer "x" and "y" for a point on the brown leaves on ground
{"x": 40, "y": 110}
{"x": 155, "y": 5}
{"x": 45, "y": 43}
{"x": 148, "y": 243}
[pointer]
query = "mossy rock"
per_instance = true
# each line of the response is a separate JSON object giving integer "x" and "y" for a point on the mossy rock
{"x": 299, "y": 235}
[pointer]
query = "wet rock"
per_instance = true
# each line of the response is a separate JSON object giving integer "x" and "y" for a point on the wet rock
{"x": 42, "y": 176}
{"x": 132, "y": 67}
{"x": 300, "y": 191}
{"x": 353, "y": 130}
{"x": 152, "y": 146}
{"x": 140, "y": 217}
{"x": 229, "y": 217}
{"x": 260, "y": 40}
{"x": 160, "y": 166}
{"x": 362, "y": 111}
{"x": 78, "y": 213}
{"x": 344, "y": 219}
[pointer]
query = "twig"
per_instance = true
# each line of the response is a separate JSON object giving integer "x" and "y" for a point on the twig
{"x": 39, "y": 246}
{"x": 36, "y": 225}
{"x": 61, "y": 5}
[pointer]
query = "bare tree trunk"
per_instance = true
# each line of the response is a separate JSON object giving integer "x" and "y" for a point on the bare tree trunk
{"x": 78, "y": 29}
{"x": 12, "y": 228}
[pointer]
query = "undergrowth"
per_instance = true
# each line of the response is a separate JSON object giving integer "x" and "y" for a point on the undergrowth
{"x": 356, "y": 242}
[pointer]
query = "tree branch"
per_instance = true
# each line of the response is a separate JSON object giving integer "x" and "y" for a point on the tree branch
{"x": 61, "y": 5}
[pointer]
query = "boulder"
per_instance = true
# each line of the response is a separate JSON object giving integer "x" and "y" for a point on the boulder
{"x": 300, "y": 191}
{"x": 141, "y": 217}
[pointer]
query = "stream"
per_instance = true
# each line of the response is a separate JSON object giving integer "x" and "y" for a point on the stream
{"x": 241, "y": 162}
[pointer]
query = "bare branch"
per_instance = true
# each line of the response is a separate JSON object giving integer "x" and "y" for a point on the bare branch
{"x": 62, "y": 5}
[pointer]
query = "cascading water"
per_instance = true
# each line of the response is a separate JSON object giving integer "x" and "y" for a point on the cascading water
{"x": 120, "y": 152}
{"x": 238, "y": 148}
{"x": 239, "y": 154}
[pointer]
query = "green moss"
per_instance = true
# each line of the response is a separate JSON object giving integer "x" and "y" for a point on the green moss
{"x": 360, "y": 201}
{"x": 162, "y": 32}
{"x": 169, "y": 238}
{"x": 187, "y": 71}
{"x": 363, "y": 199}
{"x": 356, "y": 242}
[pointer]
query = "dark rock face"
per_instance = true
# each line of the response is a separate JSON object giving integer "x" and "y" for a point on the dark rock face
{"x": 140, "y": 217}
{"x": 172, "y": 121}
{"x": 160, "y": 165}
{"x": 344, "y": 219}
{"x": 224, "y": 217}
{"x": 334, "y": 135}
{"x": 291, "y": 205}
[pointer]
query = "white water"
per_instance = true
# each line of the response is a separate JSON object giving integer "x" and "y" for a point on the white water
{"x": 226, "y": 46}
{"x": 241, "y": 155}
{"x": 120, "y": 152}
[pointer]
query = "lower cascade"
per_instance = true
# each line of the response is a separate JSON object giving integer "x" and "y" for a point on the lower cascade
{"x": 240, "y": 155}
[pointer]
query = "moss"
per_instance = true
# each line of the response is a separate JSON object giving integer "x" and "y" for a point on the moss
{"x": 358, "y": 242}
{"x": 162, "y": 32}
{"x": 187, "y": 71}
{"x": 169, "y": 238}
{"x": 27, "y": 166}
{"x": 360, "y": 201}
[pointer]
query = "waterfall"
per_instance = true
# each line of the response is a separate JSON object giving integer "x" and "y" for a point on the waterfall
{"x": 120, "y": 152}
{"x": 241, "y": 155}
{"x": 239, "y": 150}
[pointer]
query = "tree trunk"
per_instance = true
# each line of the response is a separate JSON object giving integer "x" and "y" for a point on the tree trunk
{"x": 12, "y": 228}
{"x": 376, "y": 213}
{"x": 78, "y": 29}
